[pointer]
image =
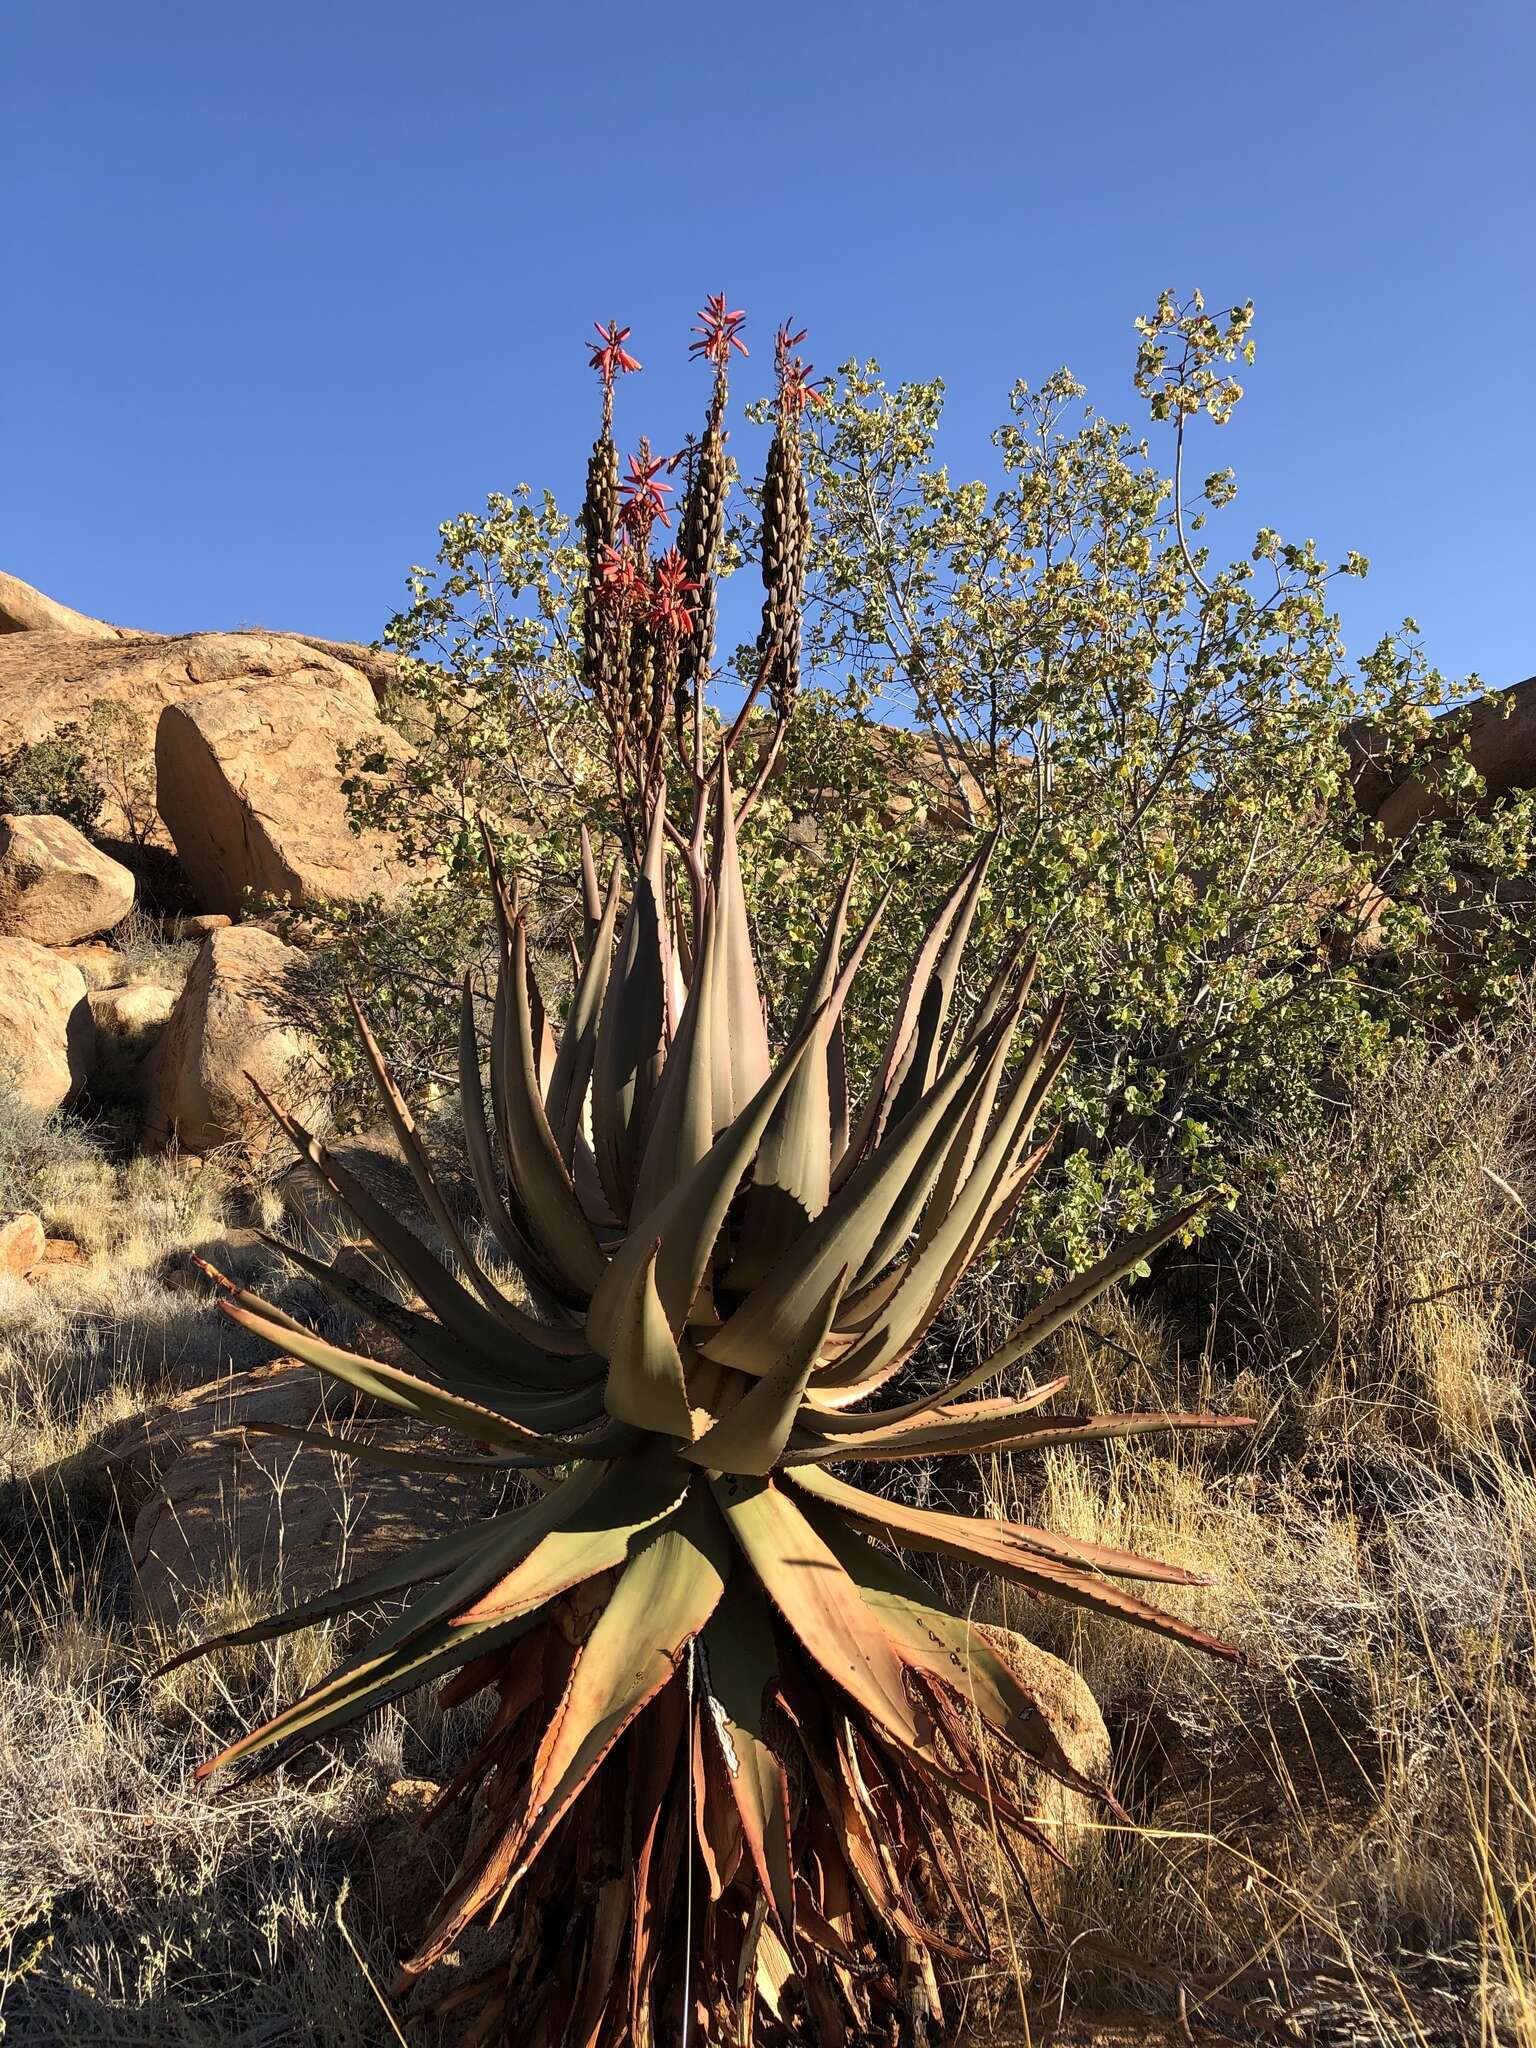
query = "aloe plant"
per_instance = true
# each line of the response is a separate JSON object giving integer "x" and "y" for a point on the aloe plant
{"x": 704, "y": 1654}
{"x": 730, "y": 1730}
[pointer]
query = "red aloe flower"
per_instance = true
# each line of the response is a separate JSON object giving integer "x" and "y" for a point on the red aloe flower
{"x": 610, "y": 357}
{"x": 620, "y": 580}
{"x": 797, "y": 387}
{"x": 642, "y": 492}
{"x": 670, "y": 611}
{"x": 717, "y": 332}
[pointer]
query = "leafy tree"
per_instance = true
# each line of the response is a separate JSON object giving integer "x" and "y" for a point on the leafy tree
{"x": 1158, "y": 739}
{"x": 1059, "y": 657}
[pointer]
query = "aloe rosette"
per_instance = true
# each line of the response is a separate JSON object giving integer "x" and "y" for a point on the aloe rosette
{"x": 730, "y": 1729}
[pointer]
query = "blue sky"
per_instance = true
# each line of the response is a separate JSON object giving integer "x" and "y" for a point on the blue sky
{"x": 286, "y": 285}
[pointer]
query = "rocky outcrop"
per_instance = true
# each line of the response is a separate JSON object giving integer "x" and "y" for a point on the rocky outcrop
{"x": 25, "y": 610}
{"x": 55, "y": 887}
{"x": 229, "y": 1026}
{"x": 56, "y": 663}
{"x": 250, "y": 792}
{"x": 47, "y": 1037}
{"x": 1497, "y": 734}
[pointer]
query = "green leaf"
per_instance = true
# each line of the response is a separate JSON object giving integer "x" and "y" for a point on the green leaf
{"x": 750, "y": 1437}
{"x": 540, "y": 1175}
{"x": 632, "y": 1029}
{"x": 646, "y": 1384}
{"x": 665, "y": 1595}
{"x": 988, "y": 1542}
{"x": 687, "y": 1223}
{"x": 820, "y": 1603}
{"x": 766, "y": 1323}
{"x": 998, "y": 1549}
{"x": 578, "y": 1040}
{"x": 740, "y": 1668}
{"x": 403, "y": 1390}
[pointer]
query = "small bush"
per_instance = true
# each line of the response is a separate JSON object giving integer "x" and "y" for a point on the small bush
{"x": 51, "y": 777}
{"x": 30, "y": 1144}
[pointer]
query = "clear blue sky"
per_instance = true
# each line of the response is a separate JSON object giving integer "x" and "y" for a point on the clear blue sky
{"x": 287, "y": 284}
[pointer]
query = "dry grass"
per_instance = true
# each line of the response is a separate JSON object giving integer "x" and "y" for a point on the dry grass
{"x": 134, "y": 1907}
{"x": 1345, "y": 1832}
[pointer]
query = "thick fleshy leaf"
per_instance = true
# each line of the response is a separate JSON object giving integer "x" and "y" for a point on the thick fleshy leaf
{"x": 414, "y": 1153}
{"x": 688, "y": 1222}
{"x": 1029, "y": 1090}
{"x": 960, "y": 1433}
{"x": 764, "y": 1326}
{"x": 1057, "y": 1309}
{"x": 430, "y": 1638}
{"x": 792, "y": 1174}
{"x": 646, "y": 1384}
{"x": 405, "y": 1391}
{"x": 948, "y": 1646}
{"x": 856, "y": 1424}
{"x": 927, "y": 1284}
{"x": 578, "y": 1040}
{"x": 972, "y": 1541}
{"x": 633, "y": 1496}
{"x": 632, "y": 1029}
{"x": 991, "y": 1542}
{"x": 919, "y": 1063}
{"x": 504, "y": 1215}
{"x": 875, "y": 1114}
{"x": 740, "y": 1664}
{"x": 751, "y": 1436}
{"x": 820, "y": 1603}
{"x": 484, "y": 1333}
{"x": 243, "y": 1299}
{"x": 454, "y": 1553}
{"x": 665, "y": 1595}
{"x": 741, "y": 1057}
{"x": 564, "y": 1390}
{"x": 681, "y": 1123}
{"x": 391, "y": 1457}
{"x": 944, "y": 1246}
{"x": 541, "y": 1176}
{"x": 917, "y": 1207}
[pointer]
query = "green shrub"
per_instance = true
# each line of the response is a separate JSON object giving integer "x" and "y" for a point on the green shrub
{"x": 52, "y": 777}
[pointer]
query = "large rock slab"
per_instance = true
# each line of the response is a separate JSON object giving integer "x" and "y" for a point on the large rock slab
{"x": 229, "y": 1026}
{"x": 135, "y": 1456}
{"x": 249, "y": 789}
{"x": 47, "y": 1037}
{"x": 55, "y": 886}
{"x": 56, "y": 664}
